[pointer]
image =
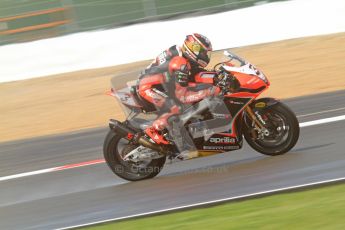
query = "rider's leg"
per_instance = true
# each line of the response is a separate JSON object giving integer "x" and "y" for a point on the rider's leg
{"x": 182, "y": 139}
{"x": 177, "y": 131}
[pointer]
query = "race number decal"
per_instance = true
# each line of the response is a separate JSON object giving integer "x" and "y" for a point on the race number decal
{"x": 162, "y": 58}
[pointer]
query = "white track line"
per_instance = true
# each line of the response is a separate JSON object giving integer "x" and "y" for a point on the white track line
{"x": 322, "y": 121}
{"x": 60, "y": 168}
{"x": 321, "y": 112}
{"x": 82, "y": 164}
{"x": 16, "y": 176}
{"x": 209, "y": 202}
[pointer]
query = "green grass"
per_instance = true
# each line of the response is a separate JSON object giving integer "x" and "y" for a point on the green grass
{"x": 321, "y": 208}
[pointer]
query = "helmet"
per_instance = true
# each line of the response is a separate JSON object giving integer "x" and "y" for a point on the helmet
{"x": 197, "y": 48}
{"x": 179, "y": 68}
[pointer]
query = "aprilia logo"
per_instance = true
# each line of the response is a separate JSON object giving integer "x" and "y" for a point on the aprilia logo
{"x": 225, "y": 140}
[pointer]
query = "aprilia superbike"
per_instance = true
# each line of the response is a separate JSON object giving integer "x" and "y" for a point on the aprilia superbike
{"x": 216, "y": 124}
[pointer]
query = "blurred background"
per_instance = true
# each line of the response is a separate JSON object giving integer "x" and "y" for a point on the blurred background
{"x": 54, "y": 112}
{"x": 27, "y": 20}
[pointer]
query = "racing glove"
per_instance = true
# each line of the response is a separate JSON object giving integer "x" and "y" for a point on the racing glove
{"x": 227, "y": 81}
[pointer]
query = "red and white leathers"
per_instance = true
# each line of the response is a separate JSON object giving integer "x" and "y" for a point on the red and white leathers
{"x": 161, "y": 63}
{"x": 159, "y": 88}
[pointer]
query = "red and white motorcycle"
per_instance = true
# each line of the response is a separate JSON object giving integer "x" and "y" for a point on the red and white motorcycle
{"x": 216, "y": 124}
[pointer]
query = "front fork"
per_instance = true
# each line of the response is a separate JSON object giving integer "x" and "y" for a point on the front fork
{"x": 259, "y": 130}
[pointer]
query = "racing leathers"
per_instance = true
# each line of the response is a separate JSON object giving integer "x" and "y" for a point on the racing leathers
{"x": 166, "y": 92}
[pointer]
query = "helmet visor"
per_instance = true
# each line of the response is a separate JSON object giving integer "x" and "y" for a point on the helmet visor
{"x": 205, "y": 55}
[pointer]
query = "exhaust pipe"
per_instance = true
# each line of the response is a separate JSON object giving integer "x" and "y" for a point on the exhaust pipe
{"x": 148, "y": 144}
{"x": 119, "y": 128}
{"x": 123, "y": 131}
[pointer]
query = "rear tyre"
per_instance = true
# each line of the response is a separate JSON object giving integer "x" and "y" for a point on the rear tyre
{"x": 115, "y": 147}
{"x": 283, "y": 127}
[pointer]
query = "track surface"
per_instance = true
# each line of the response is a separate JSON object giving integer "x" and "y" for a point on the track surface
{"x": 93, "y": 193}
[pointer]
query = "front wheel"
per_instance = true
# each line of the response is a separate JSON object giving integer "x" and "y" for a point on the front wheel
{"x": 283, "y": 131}
{"x": 115, "y": 148}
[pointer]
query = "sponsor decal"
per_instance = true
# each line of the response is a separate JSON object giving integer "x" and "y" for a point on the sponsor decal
{"x": 220, "y": 147}
{"x": 155, "y": 97}
{"x": 260, "y": 105}
{"x": 160, "y": 93}
{"x": 152, "y": 94}
{"x": 236, "y": 102}
{"x": 231, "y": 147}
{"x": 207, "y": 75}
{"x": 213, "y": 147}
{"x": 223, "y": 140}
{"x": 220, "y": 115}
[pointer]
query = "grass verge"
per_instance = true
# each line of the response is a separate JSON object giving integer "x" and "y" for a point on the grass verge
{"x": 321, "y": 208}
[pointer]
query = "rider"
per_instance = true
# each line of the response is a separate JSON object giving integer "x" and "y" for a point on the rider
{"x": 163, "y": 86}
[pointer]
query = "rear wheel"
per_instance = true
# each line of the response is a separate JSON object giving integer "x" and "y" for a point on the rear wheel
{"x": 283, "y": 131}
{"x": 115, "y": 148}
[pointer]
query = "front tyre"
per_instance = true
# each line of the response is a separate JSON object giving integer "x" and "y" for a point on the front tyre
{"x": 283, "y": 128}
{"x": 115, "y": 148}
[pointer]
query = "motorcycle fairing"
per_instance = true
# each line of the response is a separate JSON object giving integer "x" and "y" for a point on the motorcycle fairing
{"x": 223, "y": 142}
{"x": 247, "y": 69}
{"x": 227, "y": 134}
{"x": 126, "y": 97}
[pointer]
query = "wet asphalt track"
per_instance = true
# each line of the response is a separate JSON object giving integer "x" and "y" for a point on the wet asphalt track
{"x": 93, "y": 193}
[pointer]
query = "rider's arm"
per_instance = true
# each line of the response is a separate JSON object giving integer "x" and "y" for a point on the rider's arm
{"x": 195, "y": 94}
{"x": 161, "y": 63}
